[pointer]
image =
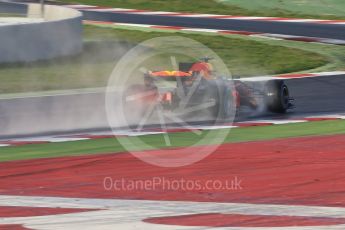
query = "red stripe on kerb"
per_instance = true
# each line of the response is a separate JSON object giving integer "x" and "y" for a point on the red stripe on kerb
{"x": 168, "y": 27}
{"x": 234, "y": 220}
{"x": 237, "y": 32}
{"x": 297, "y": 75}
{"x": 13, "y": 227}
{"x": 17, "y": 211}
{"x": 321, "y": 119}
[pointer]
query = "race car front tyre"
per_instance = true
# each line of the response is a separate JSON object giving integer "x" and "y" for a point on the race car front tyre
{"x": 277, "y": 97}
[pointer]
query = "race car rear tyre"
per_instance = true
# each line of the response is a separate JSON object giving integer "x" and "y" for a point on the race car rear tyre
{"x": 277, "y": 96}
{"x": 227, "y": 109}
{"x": 224, "y": 110}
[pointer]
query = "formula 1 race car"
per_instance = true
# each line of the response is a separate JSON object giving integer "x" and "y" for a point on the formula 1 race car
{"x": 195, "y": 89}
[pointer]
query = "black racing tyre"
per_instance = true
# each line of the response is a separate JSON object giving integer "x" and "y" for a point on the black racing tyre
{"x": 224, "y": 109}
{"x": 213, "y": 95}
{"x": 277, "y": 96}
{"x": 227, "y": 106}
{"x": 214, "y": 111}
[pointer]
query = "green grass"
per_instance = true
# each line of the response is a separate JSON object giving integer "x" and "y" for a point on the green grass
{"x": 244, "y": 57}
{"x": 335, "y": 55}
{"x": 332, "y": 9}
{"x": 111, "y": 145}
{"x": 314, "y": 8}
{"x": 104, "y": 47}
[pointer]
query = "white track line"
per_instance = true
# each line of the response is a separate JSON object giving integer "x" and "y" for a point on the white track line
{"x": 336, "y": 116}
{"x": 129, "y": 214}
{"x": 200, "y": 30}
{"x": 51, "y": 139}
{"x": 274, "y": 122}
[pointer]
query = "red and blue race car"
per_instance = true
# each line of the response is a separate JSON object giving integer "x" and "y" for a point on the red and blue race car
{"x": 195, "y": 89}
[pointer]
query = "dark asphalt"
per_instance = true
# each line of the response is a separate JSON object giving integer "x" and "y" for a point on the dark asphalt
{"x": 318, "y": 95}
{"x": 288, "y": 28}
{"x": 12, "y": 8}
{"x": 313, "y": 96}
{"x": 52, "y": 114}
{"x": 298, "y": 29}
{"x": 64, "y": 113}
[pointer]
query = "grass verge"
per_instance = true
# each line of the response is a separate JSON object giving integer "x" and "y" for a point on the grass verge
{"x": 313, "y": 8}
{"x": 104, "y": 47}
{"x": 329, "y": 9}
{"x": 112, "y": 145}
{"x": 334, "y": 55}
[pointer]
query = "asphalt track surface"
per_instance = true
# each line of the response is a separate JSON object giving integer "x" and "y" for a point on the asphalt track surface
{"x": 298, "y": 29}
{"x": 287, "y": 28}
{"x": 74, "y": 112}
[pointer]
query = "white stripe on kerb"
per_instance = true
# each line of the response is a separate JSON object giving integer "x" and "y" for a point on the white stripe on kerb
{"x": 129, "y": 214}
